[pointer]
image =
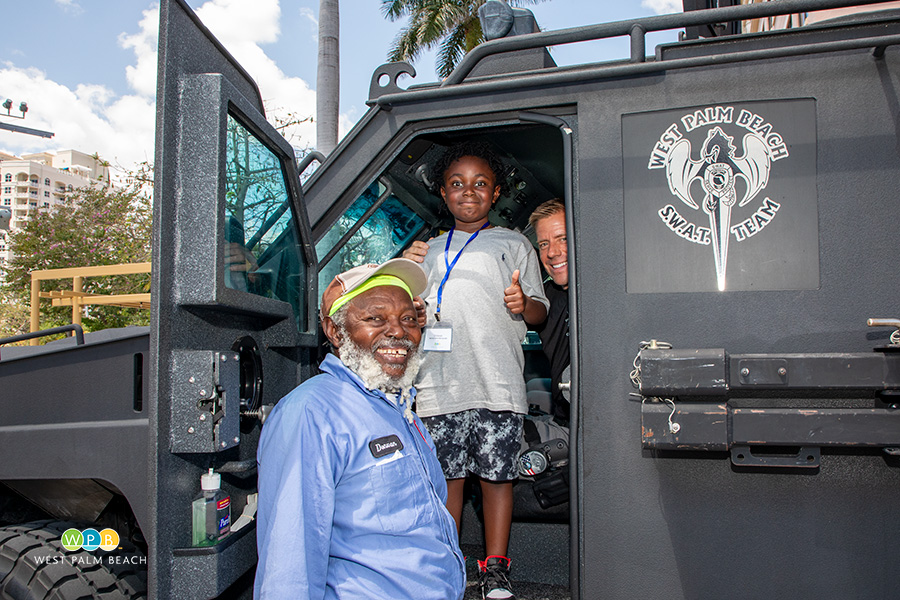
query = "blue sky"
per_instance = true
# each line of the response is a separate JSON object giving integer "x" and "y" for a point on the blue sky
{"x": 87, "y": 68}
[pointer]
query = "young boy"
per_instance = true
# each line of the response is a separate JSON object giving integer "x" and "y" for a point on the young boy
{"x": 484, "y": 285}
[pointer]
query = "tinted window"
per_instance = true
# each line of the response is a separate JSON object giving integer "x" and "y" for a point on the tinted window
{"x": 262, "y": 253}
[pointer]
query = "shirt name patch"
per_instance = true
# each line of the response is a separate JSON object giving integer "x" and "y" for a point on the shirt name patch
{"x": 385, "y": 445}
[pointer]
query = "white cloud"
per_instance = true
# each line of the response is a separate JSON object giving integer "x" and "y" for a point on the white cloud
{"x": 242, "y": 26}
{"x": 70, "y": 6}
{"x": 242, "y": 22}
{"x": 92, "y": 118}
{"x": 309, "y": 15}
{"x": 89, "y": 118}
{"x": 142, "y": 75}
{"x": 120, "y": 127}
{"x": 663, "y": 7}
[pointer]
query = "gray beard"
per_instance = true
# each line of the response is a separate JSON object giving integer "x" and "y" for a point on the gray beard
{"x": 362, "y": 361}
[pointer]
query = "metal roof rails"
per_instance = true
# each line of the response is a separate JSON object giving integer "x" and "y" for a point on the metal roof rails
{"x": 456, "y": 84}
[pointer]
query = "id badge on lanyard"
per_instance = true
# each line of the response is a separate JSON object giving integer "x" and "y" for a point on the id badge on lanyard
{"x": 439, "y": 337}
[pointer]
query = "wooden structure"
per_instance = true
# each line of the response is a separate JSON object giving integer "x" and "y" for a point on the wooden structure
{"x": 76, "y": 297}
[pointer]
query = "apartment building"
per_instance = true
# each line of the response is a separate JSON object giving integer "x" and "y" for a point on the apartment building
{"x": 799, "y": 19}
{"x": 834, "y": 13}
{"x": 33, "y": 182}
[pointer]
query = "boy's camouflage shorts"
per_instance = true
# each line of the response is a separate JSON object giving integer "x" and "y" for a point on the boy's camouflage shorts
{"x": 479, "y": 441}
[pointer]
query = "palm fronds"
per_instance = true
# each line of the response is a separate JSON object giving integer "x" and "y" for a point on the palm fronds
{"x": 450, "y": 24}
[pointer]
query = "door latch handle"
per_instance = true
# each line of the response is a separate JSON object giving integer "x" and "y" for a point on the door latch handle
{"x": 895, "y": 323}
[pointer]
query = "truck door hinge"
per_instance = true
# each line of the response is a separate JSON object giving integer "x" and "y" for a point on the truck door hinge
{"x": 206, "y": 401}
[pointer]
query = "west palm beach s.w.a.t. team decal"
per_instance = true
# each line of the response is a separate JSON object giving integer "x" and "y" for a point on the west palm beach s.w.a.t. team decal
{"x": 721, "y": 197}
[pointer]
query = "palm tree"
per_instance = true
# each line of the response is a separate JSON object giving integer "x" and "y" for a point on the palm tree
{"x": 452, "y": 24}
{"x": 328, "y": 76}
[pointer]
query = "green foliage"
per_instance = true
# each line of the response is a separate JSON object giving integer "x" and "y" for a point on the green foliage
{"x": 14, "y": 319}
{"x": 451, "y": 25}
{"x": 90, "y": 227}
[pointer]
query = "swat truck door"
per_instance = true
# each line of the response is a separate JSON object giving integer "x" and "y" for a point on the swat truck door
{"x": 233, "y": 325}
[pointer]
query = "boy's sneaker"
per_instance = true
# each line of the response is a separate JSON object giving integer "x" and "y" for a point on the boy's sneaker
{"x": 494, "y": 578}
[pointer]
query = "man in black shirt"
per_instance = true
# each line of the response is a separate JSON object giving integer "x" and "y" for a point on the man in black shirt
{"x": 549, "y": 223}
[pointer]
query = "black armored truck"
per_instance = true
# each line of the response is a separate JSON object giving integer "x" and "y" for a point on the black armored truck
{"x": 735, "y": 361}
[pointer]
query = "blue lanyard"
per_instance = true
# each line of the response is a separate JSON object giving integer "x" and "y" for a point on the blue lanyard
{"x": 450, "y": 265}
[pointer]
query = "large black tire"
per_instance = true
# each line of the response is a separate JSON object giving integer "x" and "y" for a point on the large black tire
{"x": 34, "y": 566}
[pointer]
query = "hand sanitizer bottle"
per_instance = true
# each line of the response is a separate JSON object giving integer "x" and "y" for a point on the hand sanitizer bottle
{"x": 211, "y": 511}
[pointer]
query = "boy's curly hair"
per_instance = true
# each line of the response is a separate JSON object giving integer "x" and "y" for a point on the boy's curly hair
{"x": 481, "y": 150}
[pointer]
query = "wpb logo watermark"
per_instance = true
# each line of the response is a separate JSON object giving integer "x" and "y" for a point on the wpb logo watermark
{"x": 90, "y": 539}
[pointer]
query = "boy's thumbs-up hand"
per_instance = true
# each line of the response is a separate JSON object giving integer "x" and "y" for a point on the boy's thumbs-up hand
{"x": 513, "y": 296}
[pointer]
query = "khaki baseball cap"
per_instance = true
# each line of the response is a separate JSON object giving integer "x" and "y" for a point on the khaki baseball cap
{"x": 409, "y": 272}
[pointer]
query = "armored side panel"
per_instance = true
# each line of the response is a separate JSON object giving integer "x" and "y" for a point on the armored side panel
{"x": 232, "y": 304}
{"x": 63, "y": 425}
{"x": 745, "y": 207}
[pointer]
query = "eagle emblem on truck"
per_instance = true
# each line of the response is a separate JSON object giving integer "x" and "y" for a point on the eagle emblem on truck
{"x": 722, "y": 178}
{"x": 717, "y": 171}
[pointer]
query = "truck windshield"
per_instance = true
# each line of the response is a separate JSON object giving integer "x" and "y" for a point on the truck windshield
{"x": 262, "y": 253}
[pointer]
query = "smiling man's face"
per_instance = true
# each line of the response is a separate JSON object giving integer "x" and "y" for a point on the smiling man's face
{"x": 378, "y": 336}
{"x": 552, "y": 249}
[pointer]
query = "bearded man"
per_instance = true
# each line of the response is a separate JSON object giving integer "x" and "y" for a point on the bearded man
{"x": 351, "y": 494}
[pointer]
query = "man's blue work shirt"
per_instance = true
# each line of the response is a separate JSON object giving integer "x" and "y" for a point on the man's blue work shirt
{"x": 351, "y": 499}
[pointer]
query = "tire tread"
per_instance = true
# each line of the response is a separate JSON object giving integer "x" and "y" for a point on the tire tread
{"x": 23, "y": 577}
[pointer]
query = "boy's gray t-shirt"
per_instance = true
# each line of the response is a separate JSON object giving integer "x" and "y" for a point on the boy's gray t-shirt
{"x": 484, "y": 367}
